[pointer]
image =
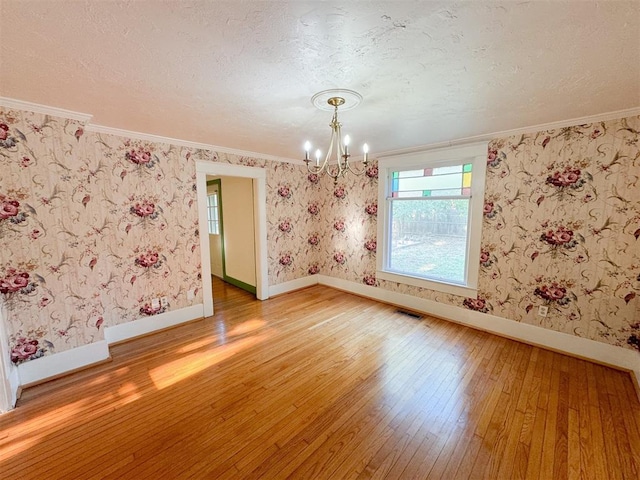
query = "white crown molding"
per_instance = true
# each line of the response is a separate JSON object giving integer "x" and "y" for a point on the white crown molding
{"x": 44, "y": 109}
{"x": 185, "y": 143}
{"x": 602, "y": 117}
{"x": 85, "y": 118}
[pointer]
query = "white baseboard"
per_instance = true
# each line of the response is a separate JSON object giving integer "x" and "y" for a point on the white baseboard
{"x": 292, "y": 285}
{"x": 40, "y": 369}
{"x": 143, "y": 326}
{"x": 599, "y": 352}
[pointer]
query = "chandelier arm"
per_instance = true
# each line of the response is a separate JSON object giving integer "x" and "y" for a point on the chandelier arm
{"x": 342, "y": 166}
{"x": 356, "y": 171}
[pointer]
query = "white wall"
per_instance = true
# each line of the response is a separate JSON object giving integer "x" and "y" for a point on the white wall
{"x": 239, "y": 234}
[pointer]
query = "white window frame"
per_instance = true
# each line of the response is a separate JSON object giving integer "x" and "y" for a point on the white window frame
{"x": 476, "y": 154}
{"x": 213, "y": 213}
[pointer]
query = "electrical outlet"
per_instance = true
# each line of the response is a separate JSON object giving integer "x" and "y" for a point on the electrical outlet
{"x": 191, "y": 294}
{"x": 155, "y": 303}
{"x": 164, "y": 301}
{"x": 543, "y": 310}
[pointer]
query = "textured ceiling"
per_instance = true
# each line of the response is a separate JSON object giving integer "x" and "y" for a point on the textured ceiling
{"x": 241, "y": 74}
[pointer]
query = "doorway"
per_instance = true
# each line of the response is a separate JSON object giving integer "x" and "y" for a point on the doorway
{"x": 258, "y": 175}
{"x": 230, "y": 206}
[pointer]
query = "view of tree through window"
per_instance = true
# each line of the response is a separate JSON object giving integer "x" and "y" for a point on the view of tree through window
{"x": 430, "y": 218}
{"x": 429, "y": 238}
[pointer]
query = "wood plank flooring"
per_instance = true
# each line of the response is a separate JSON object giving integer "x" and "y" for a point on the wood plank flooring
{"x": 320, "y": 384}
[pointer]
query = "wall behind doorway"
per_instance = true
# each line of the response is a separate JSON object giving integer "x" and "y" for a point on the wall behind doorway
{"x": 237, "y": 232}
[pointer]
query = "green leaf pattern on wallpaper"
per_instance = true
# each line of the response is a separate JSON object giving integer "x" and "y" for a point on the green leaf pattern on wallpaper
{"x": 92, "y": 227}
{"x": 561, "y": 228}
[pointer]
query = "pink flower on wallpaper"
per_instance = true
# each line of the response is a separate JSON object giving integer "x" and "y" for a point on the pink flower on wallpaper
{"x": 559, "y": 237}
{"x": 596, "y": 133}
{"x": 494, "y": 157}
{"x": 144, "y": 209}
{"x": 147, "y": 309}
{"x": 285, "y": 226}
{"x": 313, "y": 209}
{"x": 339, "y": 225}
{"x": 340, "y": 192}
{"x": 149, "y": 259}
{"x": 139, "y": 157}
{"x": 6, "y": 140}
{"x": 313, "y": 178}
{"x": 285, "y": 259}
{"x": 313, "y": 239}
{"x": 488, "y": 210}
{"x": 26, "y": 161}
{"x": 552, "y": 293}
{"x": 485, "y": 258}
{"x": 284, "y": 191}
{"x": 15, "y": 281}
{"x": 476, "y": 304}
{"x": 634, "y": 338}
{"x": 26, "y": 350}
{"x": 369, "y": 280}
{"x": 9, "y": 208}
{"x": 370, "y": 245}
{"x": 313, "y": 269}
{"x": 339, "y": 258}
{"x": 372, "y": 171}
{"x": 371, "y": 209}
{"x": 569, "y": 177}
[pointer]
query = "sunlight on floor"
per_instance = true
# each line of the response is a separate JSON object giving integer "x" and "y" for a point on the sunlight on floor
{"x": 34, "y": 428}
{"x": 248, "y": 326}
{"x": 195, "y": 346}
{"x": 181, "y": 368}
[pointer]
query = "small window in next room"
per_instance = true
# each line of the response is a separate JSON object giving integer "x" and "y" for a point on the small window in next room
{"x": 430, "y": 220}
{"x": 213, "y": 215}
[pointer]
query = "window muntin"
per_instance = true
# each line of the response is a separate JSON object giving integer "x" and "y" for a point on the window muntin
{"x": 213, "y": 213}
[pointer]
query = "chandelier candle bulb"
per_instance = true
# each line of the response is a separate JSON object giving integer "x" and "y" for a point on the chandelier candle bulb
{"x": 307, "y": 148}
{"x": 365, "y": 149}
{"x": 337, "y": 143}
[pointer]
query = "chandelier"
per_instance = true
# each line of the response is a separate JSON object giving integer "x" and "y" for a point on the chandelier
{"x": 334, "y": 99}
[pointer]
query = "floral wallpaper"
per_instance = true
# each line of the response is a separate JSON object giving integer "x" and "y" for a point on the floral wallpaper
{"x": 561, "y": 228}
{"x": 95, "y": 226}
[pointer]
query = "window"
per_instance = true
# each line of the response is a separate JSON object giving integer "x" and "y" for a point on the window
{"x": 431, "y": 218}
{"x": 213, "y": 214}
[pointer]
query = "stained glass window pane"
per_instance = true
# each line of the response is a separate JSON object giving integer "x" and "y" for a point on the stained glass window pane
{"x": 452, "y": 180}
{"x": 466, "y": 179}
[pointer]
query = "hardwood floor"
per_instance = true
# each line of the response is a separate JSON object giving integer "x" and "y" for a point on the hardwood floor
{"x": 325, "y": 385}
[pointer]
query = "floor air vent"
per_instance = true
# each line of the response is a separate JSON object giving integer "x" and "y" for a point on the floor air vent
{"x": 409, "y": 314}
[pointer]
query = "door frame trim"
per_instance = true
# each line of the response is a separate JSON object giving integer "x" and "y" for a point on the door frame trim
{"x": 259, "y": 175}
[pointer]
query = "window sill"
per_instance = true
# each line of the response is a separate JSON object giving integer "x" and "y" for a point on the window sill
{"x": 461, "y": 290}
